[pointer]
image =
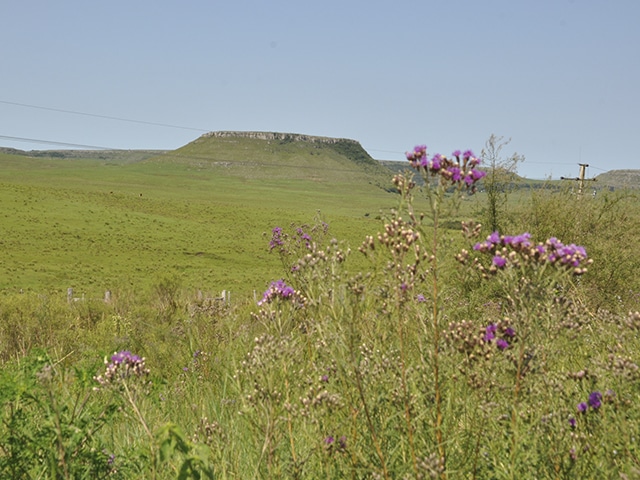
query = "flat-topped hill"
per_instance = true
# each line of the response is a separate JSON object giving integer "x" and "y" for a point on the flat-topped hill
{"x": 272, "y": 155}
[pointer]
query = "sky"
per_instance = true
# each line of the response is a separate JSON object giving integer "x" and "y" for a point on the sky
{"x": 559, "y": 78}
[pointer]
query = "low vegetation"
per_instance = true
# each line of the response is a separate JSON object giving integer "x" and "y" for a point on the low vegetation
{"x": 391, "y": 335}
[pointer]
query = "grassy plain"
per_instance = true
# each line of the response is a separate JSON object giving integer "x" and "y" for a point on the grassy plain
{"x": 95, "y": 225}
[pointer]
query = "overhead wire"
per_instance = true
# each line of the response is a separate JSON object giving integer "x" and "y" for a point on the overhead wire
{"x": 120, "y": 119}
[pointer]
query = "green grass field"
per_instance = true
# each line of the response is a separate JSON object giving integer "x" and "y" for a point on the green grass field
{"x": 96, "y": 225}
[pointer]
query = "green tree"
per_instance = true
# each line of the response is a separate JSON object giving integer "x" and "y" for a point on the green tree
{"x": 500, "y": 180}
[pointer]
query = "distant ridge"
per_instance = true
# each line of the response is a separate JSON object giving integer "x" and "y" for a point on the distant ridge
{"x": 291, "y": 137}
{"x": 620, "y": 178}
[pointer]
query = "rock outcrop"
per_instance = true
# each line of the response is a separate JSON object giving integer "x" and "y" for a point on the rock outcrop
{"x": 287, "y": 137}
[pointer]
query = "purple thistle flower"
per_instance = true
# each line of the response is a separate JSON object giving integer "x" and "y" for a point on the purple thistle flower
{"x": 494, "y": 238}
{"x": 436, "y": 163}
{"x": 595, "y": 400}
{"x": 478, "y": 174}
{"x": 522, "y": 239}
{"x": 329, "y": 440}
{"x": 456, "y": 175}
{"x": 467, "y": 154}
{"x": 499, "y": 261}
{"x": 490, "y": 332}
{"x": 582, "y": 407}
{"x": 342, "y": 442}
{"x": 468, "y": 179}
{"x": 276, "y": 238}
{"x": 502, "y": 344}
{"x": 572, "y": 422}
{"x": 420, "y": 150}
{"x": 123, "y": 364}
{"x": 456, "y": 154}
{"x": 277, "y": 289}
{"x": 510, "y": 332}
{"x": 420, "y": 298}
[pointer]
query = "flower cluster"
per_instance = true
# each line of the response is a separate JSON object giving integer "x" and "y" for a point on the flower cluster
{"x": 460, "y": 169}
{"x": 501, "y": 334}
{"x": 594, "y": 402}
{"x": 302, "y": 237}
{"x": 122, "y": 365}
{"x": 512, "y": 250}
{"x": 277, "y": 239}
{"x": 277, "y": 289}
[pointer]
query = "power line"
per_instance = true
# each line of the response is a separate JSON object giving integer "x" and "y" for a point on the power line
{"x": 119, "y": 119}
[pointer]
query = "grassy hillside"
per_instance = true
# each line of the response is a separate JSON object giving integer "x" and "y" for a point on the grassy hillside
{"x": 256, "y": 155}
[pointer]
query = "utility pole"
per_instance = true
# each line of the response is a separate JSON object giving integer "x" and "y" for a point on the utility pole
{"x": 580, "y": 179}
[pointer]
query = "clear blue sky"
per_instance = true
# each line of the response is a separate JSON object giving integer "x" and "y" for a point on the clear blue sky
{"x": 561, "y": 78}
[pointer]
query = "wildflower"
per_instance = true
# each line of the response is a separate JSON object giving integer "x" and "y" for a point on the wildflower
{"x": 552, "y": 251}
{"x": 276, "y": 238}
{"x": 573, "y": 455}
{"x": 329, "y": 440}
{"x": 499, "y": 261}
{"x": 417, "y": 155}
{"x": 510, "y": 332}
{"x": 342, "y": 442}
{"x": 521, "y": 240}
{"x": 449, "y": 169}
{"x": 122, "y": 365}
{"x": 304, "y": 237}
{"x": 572, "y": 422}
{"x": 502, "y": 344}
{"x": 454, "y": 174}
{"x": 473, "y": 176}
{"x": 436, "y": 163}
{"x": 582, "y": 407}
{"x": 277, "y": 289}
{"x": 490, "y": 332}
{"x": 595, "y": 400}
{"x": 420, "y": 298}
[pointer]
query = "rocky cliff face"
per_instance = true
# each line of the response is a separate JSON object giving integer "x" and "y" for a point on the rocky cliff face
{"x": 287, "y": 137}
